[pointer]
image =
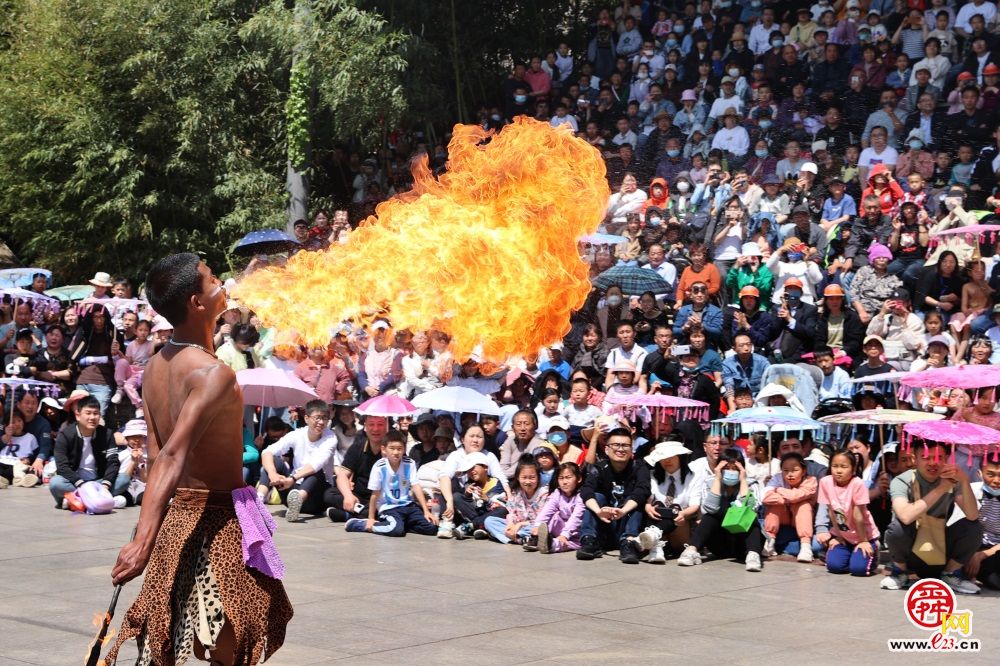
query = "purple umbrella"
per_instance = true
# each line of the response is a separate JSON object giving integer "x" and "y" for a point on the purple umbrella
{"x": 271, "y": 387}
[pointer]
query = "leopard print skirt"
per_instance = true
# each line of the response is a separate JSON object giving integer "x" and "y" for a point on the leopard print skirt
{"x": 196, "y": 581}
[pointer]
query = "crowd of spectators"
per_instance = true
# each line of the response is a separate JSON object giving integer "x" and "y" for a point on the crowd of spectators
{"x": 783, "y": 172}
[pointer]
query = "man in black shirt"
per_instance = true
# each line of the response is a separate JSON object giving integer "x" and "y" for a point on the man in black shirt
{"x": 353, "y": 473}
{"x": 615, "y": 491}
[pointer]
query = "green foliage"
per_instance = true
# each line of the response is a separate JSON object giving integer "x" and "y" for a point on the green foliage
{"x": 133, "y": 128}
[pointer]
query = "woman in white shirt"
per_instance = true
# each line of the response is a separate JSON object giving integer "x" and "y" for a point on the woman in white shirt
{"x": 730, "y": 232}
{"x": 629, "y": 199}
{"x": 732, "y": 138}
{"x": 668, "y": 509}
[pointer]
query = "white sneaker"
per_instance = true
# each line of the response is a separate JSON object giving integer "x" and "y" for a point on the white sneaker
{"x": 120, "y": 502}
{"x": 896, "y": 580}
{"x": 753, "y": 561}
{"x": 690, "y": 557}
{"x": 959, "y": 583}
{"x": 769, "y": 550}
{"x": 805, "y": 553}
{"x": 27, "y": 481}
{"x": 650, "y": 537}
{"x": 656, "y": 552}
{"x": 446, "y": 529}
{"x": 294, "y": 505}
{"x": 117, "y": 397}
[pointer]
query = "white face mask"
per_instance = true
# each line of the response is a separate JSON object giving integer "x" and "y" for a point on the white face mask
{"x": 682, "y": 186}
{"x": 734, "y": 72}
{"x": 641, "y": 75}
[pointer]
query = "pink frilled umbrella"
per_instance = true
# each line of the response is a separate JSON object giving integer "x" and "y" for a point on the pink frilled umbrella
{"x": 271, "y": 387}
{"x": 971, "y": 438}
{"x": 387, "y": 405}
{"x": 973, "y": 233}
{"x": 960, "y": 376}
{"x": 683, "y": 408}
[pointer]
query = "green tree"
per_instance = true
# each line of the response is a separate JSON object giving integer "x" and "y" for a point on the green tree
{"x": 133, "y": 128}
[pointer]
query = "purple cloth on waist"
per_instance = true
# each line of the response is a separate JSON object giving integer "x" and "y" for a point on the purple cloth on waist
{"x": 258, "y": 526}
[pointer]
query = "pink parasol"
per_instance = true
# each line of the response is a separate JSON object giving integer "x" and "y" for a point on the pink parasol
{"x": 961, "y": 433}
{"x": 961, "y": 376}
{"x": 386, "y": 405}
{"x": 881, "y": 417}
{"x": 971, "y": 232}
{"x": 271, "y": 387}
{"x": 684, "y": 408}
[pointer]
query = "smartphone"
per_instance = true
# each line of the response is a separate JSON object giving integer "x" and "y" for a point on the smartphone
{"x": 358, "y": 507}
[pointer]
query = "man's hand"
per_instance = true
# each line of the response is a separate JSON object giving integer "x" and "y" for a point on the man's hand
{"x": 132, "y": 560}
{"x": 606, "y": 514}
{"x": 284, "y": 483}
{"x": 652, "y": 512}
{"x": 783, "y": 313}
{"x": 976, "y": 561}
{"x": 741, "y": 320}
{"x": 38, "y": 467}
{"x": 225, "y": 329}
{"x": 431, "y": 518}
{"x": 349, "y": 502}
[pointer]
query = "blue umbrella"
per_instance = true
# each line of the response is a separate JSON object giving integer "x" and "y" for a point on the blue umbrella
{"x": 632, "y": 280}
{"x": 603, "y": 239}
{"x": 22, "y": 277}
{"x": 770, "y": 418}
{"x": 265, "y": 241}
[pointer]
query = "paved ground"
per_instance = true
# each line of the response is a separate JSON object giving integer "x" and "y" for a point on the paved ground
{"x": 361, "y": 599}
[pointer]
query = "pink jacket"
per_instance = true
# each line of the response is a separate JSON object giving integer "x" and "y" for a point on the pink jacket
{"x": 569, "y": 509}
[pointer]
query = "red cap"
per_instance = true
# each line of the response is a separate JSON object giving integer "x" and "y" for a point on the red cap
{"x": 965, "y": 76}
{"x": 833, "y": 290}
{"x": 991, "y": 69}
{"x": 793, "y": 282}
{"x": 750, "y": 290}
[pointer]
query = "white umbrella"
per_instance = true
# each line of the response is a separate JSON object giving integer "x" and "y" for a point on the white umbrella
{"x": 457, "y": 399}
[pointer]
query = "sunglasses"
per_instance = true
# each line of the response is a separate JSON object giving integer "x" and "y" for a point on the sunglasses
{"x": 698, "y": 290}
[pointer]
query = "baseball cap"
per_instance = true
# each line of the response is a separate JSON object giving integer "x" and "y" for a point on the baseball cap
{"x": 380, "y": 324}
{"x": 833, "y": 290}
{"x": 873, "y": 338}
{"x": 728, "y": 79}
{"x": 810, "y": 167}
{"x": 559, "y": 422}
{"x": 965, "y": 76}
{"x": 473, "y": 459}
{"x": 818, "y": 146}
{"x": 750, "y": 290}
{"x": 901, "y": 294}
{"x": 24, "y": 333}
{"x": 991, "y": 70}
{"x": 792, "y": 283}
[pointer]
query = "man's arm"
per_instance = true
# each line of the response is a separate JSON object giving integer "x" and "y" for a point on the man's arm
{"x": 211, "y": 388}
{"x": 61, "y": 454}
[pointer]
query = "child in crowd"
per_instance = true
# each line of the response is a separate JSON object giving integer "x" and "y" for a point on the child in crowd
{"x": 527, "y": 497}
{"x": 547, "y": 458}
{"x": 480, "y": 497}
{"x": 130, "y": 365}
{"x": 729, "y": 484}
{"x": 851, "y": 538}
{"x": 16, "y": 453}
{"x": 836, "y": 382}
{"x": 557, "y": 526}
{"x": 579, "y": 413}
{"x": 760, "y": 466}
{"x": 788, "y": 500}
{"x": 941, "y": 177}
{"x": 397, "y": 500}
{"x": 18, "y": 362}
{"x": 134, "y": 461}
{"x": 977, "y": 297}
{"x": 985, "y": 564}
{"x": 961, "y": 173}
{"x": 547, "y": 409}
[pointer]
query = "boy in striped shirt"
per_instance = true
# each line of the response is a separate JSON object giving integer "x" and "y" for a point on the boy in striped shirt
{"x": 397, "y": 501}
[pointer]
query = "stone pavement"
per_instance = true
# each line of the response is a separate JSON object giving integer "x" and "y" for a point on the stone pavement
{"x": 362, "y": 599}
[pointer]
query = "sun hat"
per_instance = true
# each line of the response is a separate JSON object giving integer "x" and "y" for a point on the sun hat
{"x": 665, "y": 450}
{"x": 473, "y": 459}
{"x": 100, "y": 279}
{"x": 624, "y": 366}
{"x": 134, "y": 427}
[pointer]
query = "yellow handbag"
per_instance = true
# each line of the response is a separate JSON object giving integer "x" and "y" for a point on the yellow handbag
{"x": 929, "y": 545}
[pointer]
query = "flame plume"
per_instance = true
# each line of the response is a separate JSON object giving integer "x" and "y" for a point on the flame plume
{"x": 486, "y": 253}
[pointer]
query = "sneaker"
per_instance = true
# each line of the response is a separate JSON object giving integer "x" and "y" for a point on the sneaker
{"x": 628, "y": 551}
{"x": 753, "y": 561}
{"x": 480, "y": 534}
{"x": 544, "y": 539}
{"x": 958, "y": 582}
{"x": 805, "y": 553}
{"x": 589, "y": 548}
{"x": 530, "y": 544}
{"x": 446, "y": 529}
{"x": 3, "y": 482}
{"x": 336, "y": 515}
{"x": 650, "y": 537}
{"x": 294, "y": 505}
{"x": 463, "y": 531}
{"x": 690, "y": 557}
{"x": 28, "y": 481}
{"x": 896, "y": 580}
{"x": 120, "y": 502}
{"x": 656, "y": 553}
{"x": 117, "y": 397}
{"x": 356, "y": 525}
{"x": 60, "y": 504}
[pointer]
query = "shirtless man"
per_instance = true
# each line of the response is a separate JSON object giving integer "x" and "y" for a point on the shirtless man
{"x": 194, "y": 414}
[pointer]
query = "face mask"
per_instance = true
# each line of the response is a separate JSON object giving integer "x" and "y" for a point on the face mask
{"x": 760, "y": 153}
{"x": 641, "y": 75}
{"x": 989, "y": 490}
{"x": 794, "y": 257}
{"x": 688, "y": 370}
{"x": 777, "y": 43}
{"x": 793, "y": 297}
{"x": 520, "y": 99}
{"x": 765, "y": 124}
{"x": 654, "y": 221}
{"x": 682, "y": 186}
{"x": 648, "y": 52}
{"x": 730, "y": 477}
{"x": 673, "y": 153}
{"x": 679, "y": 29}
{"x": 916, "y": 144}
{"x": 557, "y": 438}
{"x": 671, "y": 44}
{"x": 614, "y": 301}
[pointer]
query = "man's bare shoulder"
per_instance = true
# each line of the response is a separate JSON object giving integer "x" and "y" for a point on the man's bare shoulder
{"x": 194, "y": 369}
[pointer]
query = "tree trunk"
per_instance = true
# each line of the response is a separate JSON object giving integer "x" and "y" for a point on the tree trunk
{"x": 296, "y": 175}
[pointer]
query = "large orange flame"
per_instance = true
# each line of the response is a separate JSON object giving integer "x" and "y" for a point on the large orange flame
{"x": 486, "y": 253}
